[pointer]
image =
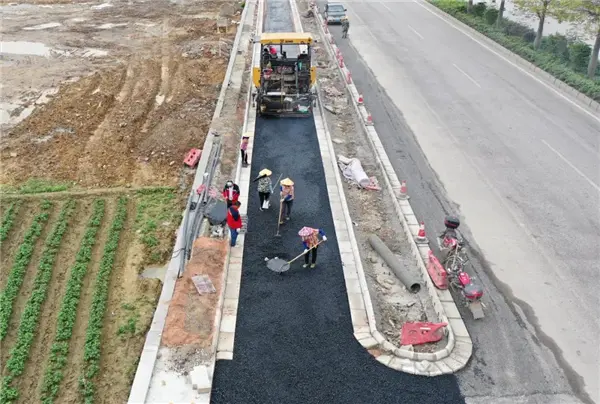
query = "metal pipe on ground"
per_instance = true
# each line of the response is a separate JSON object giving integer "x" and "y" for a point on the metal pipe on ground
{"x": 411, "y": 282}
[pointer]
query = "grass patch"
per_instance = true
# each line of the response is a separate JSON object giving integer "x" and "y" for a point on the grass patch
{"x": 563, "y": 62}
{"x": 158, "y": 213}
{"x": 36, "y": 186}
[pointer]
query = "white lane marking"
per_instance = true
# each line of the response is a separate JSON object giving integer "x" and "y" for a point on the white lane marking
{"x": 563, "y": 158}
{"x": 384, "y": 5}
{"x": 415, "y": 31}
{"x": 411, "y": 28}
{"x": 512, "y": 63}
{"x": 466, "y": 75}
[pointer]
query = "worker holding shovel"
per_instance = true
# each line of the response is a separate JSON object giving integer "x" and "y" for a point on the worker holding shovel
{"x": 287, "y": 199}
{"x": 310, "y": 240}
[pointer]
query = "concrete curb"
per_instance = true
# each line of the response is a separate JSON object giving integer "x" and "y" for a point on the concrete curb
{"x": 575, "y": 96}
{"x": 228, "y": 309}
{"x": 459, "y": 348}
{"x": 145, "y": 368}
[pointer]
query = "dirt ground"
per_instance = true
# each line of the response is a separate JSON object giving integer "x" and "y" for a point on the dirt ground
{"x": 371, "y": 211}
{"x": 123, "y": 90}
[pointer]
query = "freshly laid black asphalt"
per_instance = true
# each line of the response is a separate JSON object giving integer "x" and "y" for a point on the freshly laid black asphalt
{"x": 294, "y": 339}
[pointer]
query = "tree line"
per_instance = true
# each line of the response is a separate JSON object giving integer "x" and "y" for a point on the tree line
{"x": 582, "y": 13}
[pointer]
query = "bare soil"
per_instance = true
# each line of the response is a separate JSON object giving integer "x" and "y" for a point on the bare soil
{"x": 371, "y": 211}
{"x": 191, "y": 316}
{"x": 150, "y": 74}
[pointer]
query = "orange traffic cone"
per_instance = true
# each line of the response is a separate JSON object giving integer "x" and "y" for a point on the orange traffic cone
{"x": 360, "y": 99}
{"x": 369, "y": 121}
{"x": 421, "y": 237}
{"x": 403, "y": 191}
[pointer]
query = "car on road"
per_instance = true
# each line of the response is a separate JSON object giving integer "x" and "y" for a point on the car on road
{"x": 334, "y": 13}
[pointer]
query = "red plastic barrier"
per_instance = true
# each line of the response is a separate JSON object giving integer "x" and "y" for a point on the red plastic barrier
{"x": 192, "y": 158}
{"x": 437, "y": 272}
{"x": 417, "y": 333}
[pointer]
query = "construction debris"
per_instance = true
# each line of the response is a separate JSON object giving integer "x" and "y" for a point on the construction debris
{"x": 203, "y": 284}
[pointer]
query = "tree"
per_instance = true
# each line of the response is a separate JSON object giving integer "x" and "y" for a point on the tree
{"x": 542, "y": 9}
{"x": 500, "y": 14}
{"x": 587, "y": 13}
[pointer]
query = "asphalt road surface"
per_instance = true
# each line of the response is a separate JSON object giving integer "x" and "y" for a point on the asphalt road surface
{"x": 474, "y": 135}
{"x": 294, "y": 339}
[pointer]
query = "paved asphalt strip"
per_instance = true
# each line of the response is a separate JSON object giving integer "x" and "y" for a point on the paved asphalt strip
{"x": 294, "y": 341}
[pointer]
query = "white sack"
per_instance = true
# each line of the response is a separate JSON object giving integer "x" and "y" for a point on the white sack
{"x": 353, "y": 171}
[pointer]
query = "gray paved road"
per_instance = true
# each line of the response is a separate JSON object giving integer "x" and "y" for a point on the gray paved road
{"x": 521, "y": 165}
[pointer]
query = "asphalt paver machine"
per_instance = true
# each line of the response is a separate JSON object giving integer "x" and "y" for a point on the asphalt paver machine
{"x": 284, "y": 77}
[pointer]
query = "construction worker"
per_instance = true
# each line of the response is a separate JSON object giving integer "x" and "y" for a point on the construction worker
{"x": 244, "y": 149}
{"x": 345, "y": 26}
{"x": 310, "y": 240}
{"x": 265, "y": 186}
{"x": 234, "y": 221}
{"x": 231, "y": 193}
{"x": 287, "y": 199}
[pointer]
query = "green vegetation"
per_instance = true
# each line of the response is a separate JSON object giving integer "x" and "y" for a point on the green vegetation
{"x": 15, "y": 365}
{"x": 157, "y": 212}
{"x": 8, "y": 219}
{"x": 130, "y": 327}
{"x": 68, "y": 311}
{"x": 566, "y": 59}
{"x": 94, "y": 330}
{"x": 37, "y": 186}
{"x": 17, "y": 273}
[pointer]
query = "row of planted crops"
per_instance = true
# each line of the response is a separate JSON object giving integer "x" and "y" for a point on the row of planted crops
{"x": 20, "y": 351}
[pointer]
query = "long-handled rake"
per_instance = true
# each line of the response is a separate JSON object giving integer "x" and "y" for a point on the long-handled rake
{"x": 279, "y": 265}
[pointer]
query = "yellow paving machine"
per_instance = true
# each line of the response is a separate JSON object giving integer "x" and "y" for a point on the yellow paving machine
{"x": 283, "y": 75}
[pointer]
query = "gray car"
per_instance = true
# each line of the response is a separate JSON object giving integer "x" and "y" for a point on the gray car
{"x": 334, "y": 12}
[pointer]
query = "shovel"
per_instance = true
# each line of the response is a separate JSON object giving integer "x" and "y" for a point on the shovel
{"x": 278, "y": 265}
{"x": 279, "y": 218}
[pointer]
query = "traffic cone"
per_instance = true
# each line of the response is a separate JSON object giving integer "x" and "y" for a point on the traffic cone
{"x": 369, "y": 121}
{"x": 403, "y": 191}
{"x": 360, "y": 99}
{"x": 421, "y": 237}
